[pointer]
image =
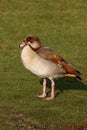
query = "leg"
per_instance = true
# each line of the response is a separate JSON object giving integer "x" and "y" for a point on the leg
{"x": 43, "y": 95}
{"x": 52, "y": 91}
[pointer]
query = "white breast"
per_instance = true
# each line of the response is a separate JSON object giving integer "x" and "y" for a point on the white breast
{"x": 39, "y": 66}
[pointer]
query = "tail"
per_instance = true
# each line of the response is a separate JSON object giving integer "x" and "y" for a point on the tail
{"x": 79, "y": 77}
{"x": 72, "y": 75}
{"x": 71, "y": 72}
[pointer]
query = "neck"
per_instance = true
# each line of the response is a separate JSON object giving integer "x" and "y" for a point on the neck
{"x": 34, "y": 49}
{"x": 27, "y": 51}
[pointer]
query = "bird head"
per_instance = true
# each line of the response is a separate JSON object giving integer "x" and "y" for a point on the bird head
{"x": 33, "y": 41}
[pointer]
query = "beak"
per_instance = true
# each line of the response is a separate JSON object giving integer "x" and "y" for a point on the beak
{"x": 22, "y": 44}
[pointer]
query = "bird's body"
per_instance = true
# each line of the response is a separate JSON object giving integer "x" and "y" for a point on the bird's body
{"x": 39, "y": 66}
{"x": 45, "y": 63}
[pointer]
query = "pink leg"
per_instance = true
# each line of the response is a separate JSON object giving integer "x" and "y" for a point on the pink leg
{"x": 43, "y": 95}
{"x": 52, "y": 91}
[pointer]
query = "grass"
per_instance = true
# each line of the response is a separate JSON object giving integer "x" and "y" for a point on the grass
{"x": 62, "y": 26}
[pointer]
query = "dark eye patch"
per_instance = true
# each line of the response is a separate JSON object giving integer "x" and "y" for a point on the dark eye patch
{"x": 31, "y": 41}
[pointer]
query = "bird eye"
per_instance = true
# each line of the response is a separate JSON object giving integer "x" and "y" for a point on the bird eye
{"x": 31, "y": 41}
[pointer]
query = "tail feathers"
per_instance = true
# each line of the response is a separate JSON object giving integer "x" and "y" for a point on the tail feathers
{"x": 72, "y": 75}
{"x": 78, "y": 72}
{"x": 79, "y": 77}
{"x": 70, "y": 71}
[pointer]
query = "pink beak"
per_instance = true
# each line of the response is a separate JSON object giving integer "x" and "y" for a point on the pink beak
{"x": 22, "y": 44}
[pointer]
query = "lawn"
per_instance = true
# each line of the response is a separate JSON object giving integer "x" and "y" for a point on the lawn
{"x": 62, "y": 25}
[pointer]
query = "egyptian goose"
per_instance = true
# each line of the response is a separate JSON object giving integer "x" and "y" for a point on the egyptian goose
{"x": 45, "y": 63}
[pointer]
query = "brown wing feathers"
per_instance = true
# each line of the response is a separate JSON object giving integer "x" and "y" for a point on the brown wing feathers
{"x": 48, "y": 54}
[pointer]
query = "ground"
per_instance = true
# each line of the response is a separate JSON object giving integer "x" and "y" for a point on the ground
{"x": 61, "y": 25}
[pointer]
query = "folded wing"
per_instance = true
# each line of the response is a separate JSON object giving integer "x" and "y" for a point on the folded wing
{"x": 48, "y": 54}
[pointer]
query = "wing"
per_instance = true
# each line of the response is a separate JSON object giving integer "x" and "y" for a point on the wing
{"x": 48, "y": 54}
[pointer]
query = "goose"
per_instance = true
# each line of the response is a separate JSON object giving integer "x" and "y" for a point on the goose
{"x": 45, "y": 63}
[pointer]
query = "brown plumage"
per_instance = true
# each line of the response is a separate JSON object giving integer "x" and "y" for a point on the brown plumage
{"x": 45, "y": 63}
{"x": 48, "y": 54}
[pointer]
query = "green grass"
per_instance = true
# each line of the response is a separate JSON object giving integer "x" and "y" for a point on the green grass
{"x": 62, "y": 25}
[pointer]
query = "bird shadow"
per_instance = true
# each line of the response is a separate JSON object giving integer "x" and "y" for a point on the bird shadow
{"x": 62, "y": 84}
